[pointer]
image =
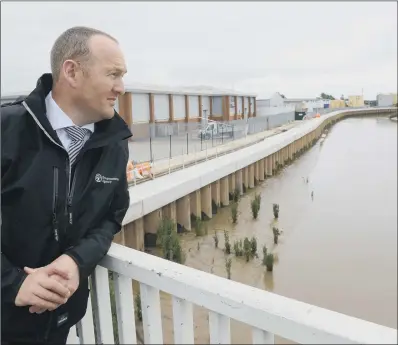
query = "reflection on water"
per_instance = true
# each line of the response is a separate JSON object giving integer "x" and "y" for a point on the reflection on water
{"x": 337, "y": 251}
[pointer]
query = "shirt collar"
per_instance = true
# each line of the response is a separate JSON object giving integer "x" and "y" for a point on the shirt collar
{"x": 57, "y": 118}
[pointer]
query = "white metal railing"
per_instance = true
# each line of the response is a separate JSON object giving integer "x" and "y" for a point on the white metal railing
{"x": 267, "y": 313}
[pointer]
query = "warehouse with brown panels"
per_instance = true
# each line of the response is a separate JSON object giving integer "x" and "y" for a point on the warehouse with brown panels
{"x": 144, "y": 106}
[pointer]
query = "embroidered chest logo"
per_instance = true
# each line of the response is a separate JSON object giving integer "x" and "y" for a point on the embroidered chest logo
{"x": 102, "y": 179}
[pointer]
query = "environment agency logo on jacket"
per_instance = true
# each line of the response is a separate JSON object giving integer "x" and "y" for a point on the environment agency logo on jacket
{"x": 102, "y": 179}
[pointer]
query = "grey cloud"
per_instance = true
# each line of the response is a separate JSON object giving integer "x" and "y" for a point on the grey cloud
{"x": 300, "y": 49}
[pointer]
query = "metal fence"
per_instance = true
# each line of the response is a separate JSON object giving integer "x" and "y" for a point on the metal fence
{"x": 158, "y": 141}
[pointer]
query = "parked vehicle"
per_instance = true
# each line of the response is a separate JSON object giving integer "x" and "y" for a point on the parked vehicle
{"x": 300, "y": 111}
{"x": 216, "y": 130}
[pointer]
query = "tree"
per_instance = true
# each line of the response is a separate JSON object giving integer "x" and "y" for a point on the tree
{"x": 326, "y": 96}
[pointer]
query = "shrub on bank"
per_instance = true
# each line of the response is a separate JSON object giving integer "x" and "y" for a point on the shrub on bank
{"x": 269, "y": 262}
{"x": 228, "y": 264}
{"x": 276, "y": 233}
{"x": 234, "y": 212}
{"x": 169, "y": 241}
{"x": 275, "y": 209}
{"x": 226, "y": 242}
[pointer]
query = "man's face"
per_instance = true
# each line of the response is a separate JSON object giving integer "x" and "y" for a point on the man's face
{"x": 102, "y": 81}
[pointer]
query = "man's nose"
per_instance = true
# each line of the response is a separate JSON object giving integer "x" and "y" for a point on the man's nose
{"x": 119, "y": 87}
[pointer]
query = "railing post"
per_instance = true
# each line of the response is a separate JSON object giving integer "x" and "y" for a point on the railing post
{"x": 150, "y": 148}
{"x": 102, "y": 306}
{"x": 212, "y": 139}
{"x": 220, "y": 328}
{"x": 85, "y": 327}
{"x": 170, "y": 147}
{"x": 124, "y": 309}
{"x": 153, "y": 167}
{"x": 262, "y": 337}
{"x": 151, "y": 315}
{"x": 187, "y": 144}
{"x": 183, "y": 321}
{"x": 183, "y": 160}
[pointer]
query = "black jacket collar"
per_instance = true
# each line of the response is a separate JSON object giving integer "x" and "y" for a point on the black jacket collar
{"x": 106, "y": 131}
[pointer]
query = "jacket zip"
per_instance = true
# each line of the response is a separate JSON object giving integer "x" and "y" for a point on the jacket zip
{"x": 55, "y": 204}
{"x": 70, "y": 195}
{"x": 70, "y": 189}
{"x": 50, "y": 321}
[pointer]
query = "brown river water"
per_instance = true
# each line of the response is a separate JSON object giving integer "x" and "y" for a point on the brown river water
{"x": 337, "y": 251}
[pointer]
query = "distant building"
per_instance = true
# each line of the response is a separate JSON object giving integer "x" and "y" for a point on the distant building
{"x": 337, "y": 103}
{"x": 276, "y": 100}
{"x": 370, "y": 103}
{"x": 355, "y": 101}
{"x": 296, "y": 101}
{"x": 386, "y": 100}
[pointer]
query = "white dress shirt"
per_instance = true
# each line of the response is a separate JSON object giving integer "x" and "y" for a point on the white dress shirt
{"x": 59, "y": 120}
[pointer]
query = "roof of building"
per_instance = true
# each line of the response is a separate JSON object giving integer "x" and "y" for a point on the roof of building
{"x": 185, "y": 90}
{"x": 161, "y": 89}
{"x": 386, "y": 94}
{"x": 301, "y": 99}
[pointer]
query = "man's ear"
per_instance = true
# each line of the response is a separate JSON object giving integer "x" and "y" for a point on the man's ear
{"x": 71, "y": 70}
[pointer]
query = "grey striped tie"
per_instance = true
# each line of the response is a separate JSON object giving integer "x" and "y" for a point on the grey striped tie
{"x": 77, "y": 135}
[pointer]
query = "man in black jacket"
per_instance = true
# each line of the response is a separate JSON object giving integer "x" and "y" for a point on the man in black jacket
{"x": 64, "y": 190}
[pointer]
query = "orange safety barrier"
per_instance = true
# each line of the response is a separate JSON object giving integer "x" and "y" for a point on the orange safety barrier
{"x": 141, "y": 170}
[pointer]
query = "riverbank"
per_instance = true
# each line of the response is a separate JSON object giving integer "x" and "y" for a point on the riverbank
{"x": 323, "y": 254}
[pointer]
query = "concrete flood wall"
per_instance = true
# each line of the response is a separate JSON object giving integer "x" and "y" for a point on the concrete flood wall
{"x": 198, "y": 191}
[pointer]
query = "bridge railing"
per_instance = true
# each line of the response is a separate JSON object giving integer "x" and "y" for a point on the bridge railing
{"x": 267, "y": 313}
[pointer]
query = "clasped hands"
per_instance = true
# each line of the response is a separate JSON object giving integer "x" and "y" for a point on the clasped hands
{"x": 46, "y": 288}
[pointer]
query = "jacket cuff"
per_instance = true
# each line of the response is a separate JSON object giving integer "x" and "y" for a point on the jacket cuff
{"x": 70, "y": 252}
{"x": 12, "y": 292}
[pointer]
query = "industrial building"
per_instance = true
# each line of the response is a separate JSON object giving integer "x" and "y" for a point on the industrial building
{"x": 280, "y": 101}
{"x": 141, "y": 106}
{"x": 312, "y": 104}
{"x": 386, "y": 100}
{"x": 355, "y": 101}
{"x": 337, "y": 103}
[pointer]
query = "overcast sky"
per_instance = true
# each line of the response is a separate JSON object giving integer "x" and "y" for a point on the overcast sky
{"x": 298, "y": 49}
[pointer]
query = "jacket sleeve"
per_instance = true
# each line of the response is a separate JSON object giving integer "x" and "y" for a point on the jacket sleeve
{"x": 93, "y": 247}
{"x": 12, "y": 278}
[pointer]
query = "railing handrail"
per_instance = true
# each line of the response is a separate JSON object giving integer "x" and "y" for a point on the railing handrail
{"x": 268, "y": 311}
